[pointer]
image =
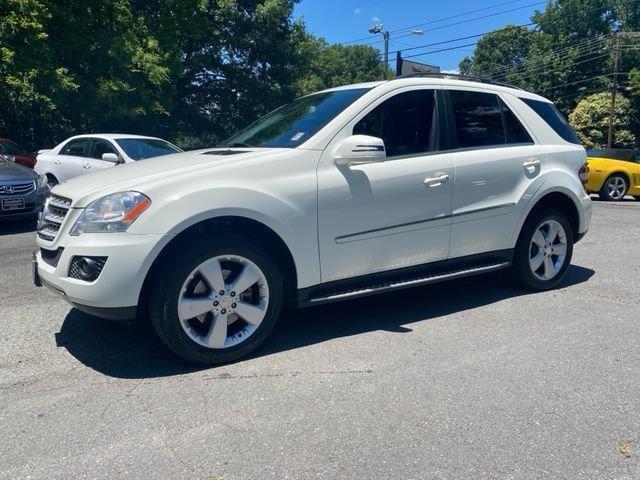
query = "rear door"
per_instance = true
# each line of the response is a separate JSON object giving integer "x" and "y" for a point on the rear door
{"x": 70, "y": 161}
{"x": 496, "y": 162}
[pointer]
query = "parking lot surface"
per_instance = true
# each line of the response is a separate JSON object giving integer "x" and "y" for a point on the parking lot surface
{"x": 467, "y": 379}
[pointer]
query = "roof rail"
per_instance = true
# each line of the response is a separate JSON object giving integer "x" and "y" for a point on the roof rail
{"x": 457, "y": 76}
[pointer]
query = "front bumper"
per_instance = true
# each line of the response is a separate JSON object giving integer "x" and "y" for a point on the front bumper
{"x": 116, "y": 291}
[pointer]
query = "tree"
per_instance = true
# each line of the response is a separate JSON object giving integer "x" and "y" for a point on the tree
{"x": 590, "y": 120}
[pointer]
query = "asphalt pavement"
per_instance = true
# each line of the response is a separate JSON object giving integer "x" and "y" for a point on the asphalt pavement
{"x": 467, "y": 379}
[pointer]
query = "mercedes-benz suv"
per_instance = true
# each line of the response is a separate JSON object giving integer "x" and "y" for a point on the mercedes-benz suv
{"x": 347, "y": 192}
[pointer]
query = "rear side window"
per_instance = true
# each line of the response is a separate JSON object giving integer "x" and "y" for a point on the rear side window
{"x": 478, "y": 119}
{"x": 77, "y": 148}
{"x": 514, "y": 130}
{"x": 550, "y": 114}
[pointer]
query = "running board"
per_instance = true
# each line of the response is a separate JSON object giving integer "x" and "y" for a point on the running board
{"x": 413, "y": 282}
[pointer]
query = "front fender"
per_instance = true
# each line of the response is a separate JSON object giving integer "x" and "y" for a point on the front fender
{"x": 294, "y": 223}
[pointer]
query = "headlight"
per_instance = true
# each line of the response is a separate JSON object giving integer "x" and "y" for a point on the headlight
{"x": 113, "y": 213}
{"x": 42, "y": 182}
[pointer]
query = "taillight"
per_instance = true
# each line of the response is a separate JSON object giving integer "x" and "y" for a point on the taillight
{"x": 583, "y": 173}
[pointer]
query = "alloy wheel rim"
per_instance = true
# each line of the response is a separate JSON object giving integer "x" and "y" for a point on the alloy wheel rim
{"x": 616, "y": 188}
{"x": 223, "y": 301}
{"x": 548, "y": 250}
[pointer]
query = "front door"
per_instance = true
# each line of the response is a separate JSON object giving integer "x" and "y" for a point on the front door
{"x": 382, "y": 216}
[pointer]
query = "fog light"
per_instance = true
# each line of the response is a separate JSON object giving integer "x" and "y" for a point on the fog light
{"x": 86, "y": 268}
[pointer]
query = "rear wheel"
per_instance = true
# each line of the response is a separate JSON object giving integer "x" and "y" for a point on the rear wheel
{"x": 216, "y": 301}
{"x": 543, "y": 252}
{"x": 614, "y": 188}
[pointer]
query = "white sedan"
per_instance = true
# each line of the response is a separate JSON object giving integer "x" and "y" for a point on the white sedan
{"x": 84, "y": 154}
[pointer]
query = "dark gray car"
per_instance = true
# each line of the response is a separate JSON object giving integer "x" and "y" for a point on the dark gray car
{"x": 22, "y": 191}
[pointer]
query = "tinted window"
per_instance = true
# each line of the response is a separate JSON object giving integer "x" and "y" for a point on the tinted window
{"x": 478, "y": 119}
{"x": 11, "y": 148}
{"x": 295, "y": 123}
{"x": 100, "y": 147}
{"x": 406, "y": 123}
{"x": 550, "y": 114}
{"x": 140, "y": 148}
{"x": 515, "y": 131}
{"x": 77, "y": 148}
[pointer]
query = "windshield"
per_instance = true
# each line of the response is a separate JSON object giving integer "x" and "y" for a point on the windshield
{"x": 296, "y": 122}
{"x": 141, "y": 148}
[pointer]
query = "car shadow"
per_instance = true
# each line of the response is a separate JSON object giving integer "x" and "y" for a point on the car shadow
{"x": 17, "y": 226}
{"x": 135, "y": 351}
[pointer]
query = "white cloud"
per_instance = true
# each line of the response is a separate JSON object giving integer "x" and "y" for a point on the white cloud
{"x": 375, "y": 19}
{"x": 356, "y": 11}
{"x": 455, "y": 71}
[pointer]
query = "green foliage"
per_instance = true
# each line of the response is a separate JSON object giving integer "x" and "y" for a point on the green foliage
{"x": 559, "y": 58}
{"x": 193, "y": 71}
{"x": 590, "y": 120}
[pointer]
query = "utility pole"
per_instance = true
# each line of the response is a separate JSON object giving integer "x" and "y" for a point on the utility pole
{"x": 379, "y": 28}
{"x": 614, "y": 89}
{"x": 616, "y": 72}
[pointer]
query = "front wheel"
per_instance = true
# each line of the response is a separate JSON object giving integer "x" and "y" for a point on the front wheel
{"x": 544, "y": 250}
{"x": 216, "y": 300}
{"x": 615, "y": 188}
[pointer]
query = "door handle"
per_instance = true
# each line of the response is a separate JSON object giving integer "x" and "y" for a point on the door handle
{"x": 436, "y": 181}
{"x": 531, "y": 165}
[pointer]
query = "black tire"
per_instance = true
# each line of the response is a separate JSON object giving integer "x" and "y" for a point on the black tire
{"x": 637, "y": 198}
{"x": 604, "y": 191}
{"x": 164, "y": 294}
{"x": 521, "y": 271}
{"x": 51, "y": 181}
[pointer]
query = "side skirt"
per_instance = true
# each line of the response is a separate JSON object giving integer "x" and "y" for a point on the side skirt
{"x": 408, "y": 277}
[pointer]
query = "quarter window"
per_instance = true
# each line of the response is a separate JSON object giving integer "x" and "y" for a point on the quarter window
{"x": 406, "y": 123}
{"x": 552, "y": 116}
{"x": 77, "y": 148}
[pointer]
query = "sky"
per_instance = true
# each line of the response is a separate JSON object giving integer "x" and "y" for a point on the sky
{"x": 347, "y": 20}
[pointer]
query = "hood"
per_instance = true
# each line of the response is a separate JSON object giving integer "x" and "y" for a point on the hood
{"x": 143, "y": 174}
{"x": 10, "y": 171}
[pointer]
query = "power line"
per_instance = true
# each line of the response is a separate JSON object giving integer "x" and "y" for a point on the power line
{"x": 441, "y": 19}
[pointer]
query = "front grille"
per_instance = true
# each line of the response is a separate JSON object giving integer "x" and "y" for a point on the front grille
{"x": 51, "y": 257}
{"x": 17, "y": 188}
{"x": 75, "y": 268}
{"x": 54, "y": 213}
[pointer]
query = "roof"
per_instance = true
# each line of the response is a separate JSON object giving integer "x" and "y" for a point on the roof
{"x": 112, "y": 136}
{"x": 444, "y": 80}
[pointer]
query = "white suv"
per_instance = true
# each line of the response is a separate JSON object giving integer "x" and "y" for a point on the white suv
{"x": 84, "y": 154}
{"x": 347, "y": 192}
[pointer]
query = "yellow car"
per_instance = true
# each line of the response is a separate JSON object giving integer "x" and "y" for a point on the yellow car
{"x": 612, "y": 174}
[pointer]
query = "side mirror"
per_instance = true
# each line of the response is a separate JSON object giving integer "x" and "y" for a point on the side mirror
{"x": 358, "y": 149}
{"x": 110, "y": 157}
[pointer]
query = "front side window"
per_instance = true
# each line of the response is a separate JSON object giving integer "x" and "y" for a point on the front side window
{"x": 296, "y": 122}
{"x": 406, "y": 123}
{"x": 478, "y": 119}
{"x": 141, "y": 148}
{"x": 552, "y": 116}
{"x": 100, "y": 147}
{"x": 77, "y": 148}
